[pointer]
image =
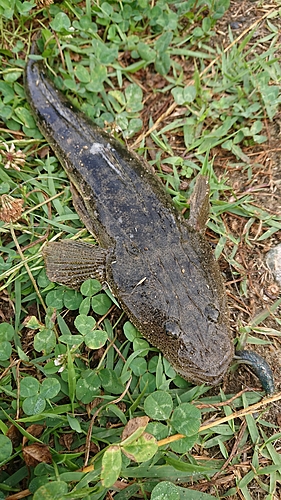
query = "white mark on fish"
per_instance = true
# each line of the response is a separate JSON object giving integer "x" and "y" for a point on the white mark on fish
{"x": 141, "y": 281}
{"x": 107, "y": 155}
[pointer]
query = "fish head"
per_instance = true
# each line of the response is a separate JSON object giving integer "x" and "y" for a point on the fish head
{"x": 198, "y": 344}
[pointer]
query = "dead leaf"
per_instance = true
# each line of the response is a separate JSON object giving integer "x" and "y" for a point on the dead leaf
{"x": 66, "y": 440}
{"x": 36, "y": 453}
{"x": 133, "y": 425}
{"x": 35, "y": 430}
{"x": 14, "y": 435}
{"x": 43, "y": 152}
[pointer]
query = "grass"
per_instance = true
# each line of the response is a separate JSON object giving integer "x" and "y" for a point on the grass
{"x": 88, "y": 407}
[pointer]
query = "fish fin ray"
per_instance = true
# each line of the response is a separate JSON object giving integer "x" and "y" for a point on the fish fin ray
{"x": 71, "y": 262}
{"x": 199, "y": 204}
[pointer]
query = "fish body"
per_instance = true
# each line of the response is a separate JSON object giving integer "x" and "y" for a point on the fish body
{"x": 159, "y": 266}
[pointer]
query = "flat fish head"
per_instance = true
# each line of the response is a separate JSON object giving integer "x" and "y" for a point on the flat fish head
{"x": 194, "y": 338}
{"x": 199, "y": 348}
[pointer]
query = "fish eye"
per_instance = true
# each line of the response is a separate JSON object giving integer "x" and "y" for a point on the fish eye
{"x": 172, "y": 329}
{"x": 212, "y": 313}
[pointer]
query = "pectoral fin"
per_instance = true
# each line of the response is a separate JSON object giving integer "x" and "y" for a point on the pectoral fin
{"x": 199, "y": 204}
{"x": 71, "y": 262}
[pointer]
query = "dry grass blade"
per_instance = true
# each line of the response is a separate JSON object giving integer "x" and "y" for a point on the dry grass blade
{"x": 240, "y": 413}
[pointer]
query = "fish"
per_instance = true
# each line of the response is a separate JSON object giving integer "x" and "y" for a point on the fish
{"x": 158, "y": 264}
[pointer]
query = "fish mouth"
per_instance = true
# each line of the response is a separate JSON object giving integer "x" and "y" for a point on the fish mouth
{"x": 211, "y": 372}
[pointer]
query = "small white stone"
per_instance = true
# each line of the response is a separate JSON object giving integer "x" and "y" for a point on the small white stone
{"x": 273, "y": 261}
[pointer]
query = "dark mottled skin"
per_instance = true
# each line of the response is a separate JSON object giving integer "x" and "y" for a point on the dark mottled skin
{"x": 160, "y": 268}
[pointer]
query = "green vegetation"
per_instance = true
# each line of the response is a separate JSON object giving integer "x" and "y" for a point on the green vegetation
{"x": 87, "y": 406}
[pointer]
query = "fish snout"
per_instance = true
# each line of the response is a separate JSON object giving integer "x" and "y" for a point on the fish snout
{"x": 206, "y": 361}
